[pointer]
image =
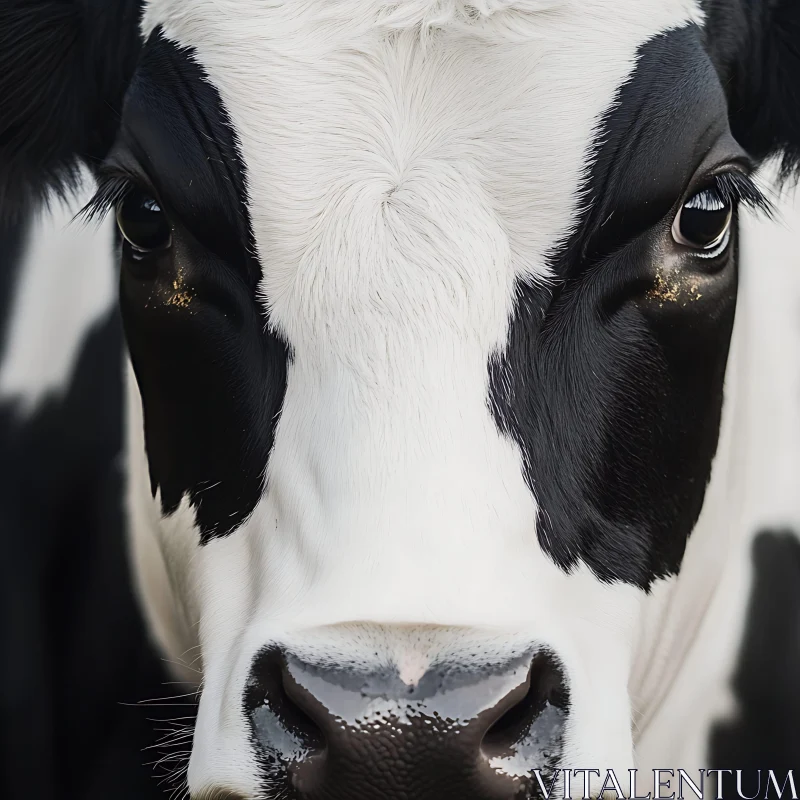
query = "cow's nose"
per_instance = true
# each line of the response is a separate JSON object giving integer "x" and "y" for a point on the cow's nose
{"x": 457, "y": 732}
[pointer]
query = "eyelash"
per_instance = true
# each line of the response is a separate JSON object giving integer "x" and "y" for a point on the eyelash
{"x": 111, "y": 190}
{"x": 738, "y": 188}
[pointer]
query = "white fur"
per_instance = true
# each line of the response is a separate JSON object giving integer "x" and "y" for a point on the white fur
{"x": 65, "y": 284}
{"x": 407, "y": 163}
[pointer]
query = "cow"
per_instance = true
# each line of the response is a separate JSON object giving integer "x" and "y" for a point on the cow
{"x": 461, "y": 441}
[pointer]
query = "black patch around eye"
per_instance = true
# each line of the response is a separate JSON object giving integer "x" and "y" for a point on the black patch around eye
{"x": 616, "y": 406}
{"x": 142, "y": 222}
{"x": 211, "y": 374}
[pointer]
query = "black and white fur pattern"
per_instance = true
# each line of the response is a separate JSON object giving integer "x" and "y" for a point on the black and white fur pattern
{"x": 408, "y": 214}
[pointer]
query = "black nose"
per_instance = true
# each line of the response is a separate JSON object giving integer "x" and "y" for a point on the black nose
{"x": 330, "y": 733}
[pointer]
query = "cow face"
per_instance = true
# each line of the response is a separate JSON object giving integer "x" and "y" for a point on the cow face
{"x": 428, "y": 308}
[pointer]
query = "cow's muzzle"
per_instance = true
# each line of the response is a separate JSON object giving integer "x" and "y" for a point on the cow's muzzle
{"x": 326, "y": 732}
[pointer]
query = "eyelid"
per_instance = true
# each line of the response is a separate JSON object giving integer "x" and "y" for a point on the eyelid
{"x": 704, "y": 177}
{"x": 740, "y": 161}
{"x": 121, "y": 166}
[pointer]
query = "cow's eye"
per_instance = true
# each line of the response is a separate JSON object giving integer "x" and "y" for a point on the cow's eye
{"x": 142, "y": 222}
{"x": 704, "y": 222}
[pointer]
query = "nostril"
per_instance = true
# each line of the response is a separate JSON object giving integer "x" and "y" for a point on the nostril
{"x": 546, "y": 688}
{"x": 297, "y": 714}
{"x": 279, "y": 721}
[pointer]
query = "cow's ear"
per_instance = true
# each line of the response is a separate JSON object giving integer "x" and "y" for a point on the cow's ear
{"x": 755, "y": 45}
{"x": 64, "y": 68}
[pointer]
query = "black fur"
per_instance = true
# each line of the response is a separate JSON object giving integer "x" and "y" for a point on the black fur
{"x": 212, "y": 377}
{"x": 615, "y": 398}
{"x": 616, "y": 406}
{"x": 64, "y": 67}
{"x": 755, "y": 45}
{"x": 764, "y": 733}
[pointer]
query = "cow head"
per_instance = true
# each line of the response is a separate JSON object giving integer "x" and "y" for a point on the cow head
{"x": 428, "y": 307}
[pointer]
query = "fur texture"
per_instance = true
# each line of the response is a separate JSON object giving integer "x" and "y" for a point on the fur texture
{"x": 403, "y": 197}
{"x": 64, "y": 67}
{"x": 756, "y": 44}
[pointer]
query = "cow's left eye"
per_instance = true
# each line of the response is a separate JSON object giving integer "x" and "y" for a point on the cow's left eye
{"x": 704, "y": 222}
{"x": 142, "y": 222}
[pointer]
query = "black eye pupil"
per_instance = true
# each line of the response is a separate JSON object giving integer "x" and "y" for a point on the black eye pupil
{"x": 704, "y": 218}
{"x": 143, "y": 223}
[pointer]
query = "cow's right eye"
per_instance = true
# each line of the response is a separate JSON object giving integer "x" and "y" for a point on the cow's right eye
{"x": 704, "y": 222}
{"x": 143, "y": 223}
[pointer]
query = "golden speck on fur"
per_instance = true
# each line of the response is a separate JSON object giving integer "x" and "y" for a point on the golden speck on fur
{"x": 181, "y": 296}
{"x": 673, "y": 287}
{"x": 180, "y": 299}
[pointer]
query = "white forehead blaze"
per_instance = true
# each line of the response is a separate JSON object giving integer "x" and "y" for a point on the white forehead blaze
{"x": 399, "y": 185}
